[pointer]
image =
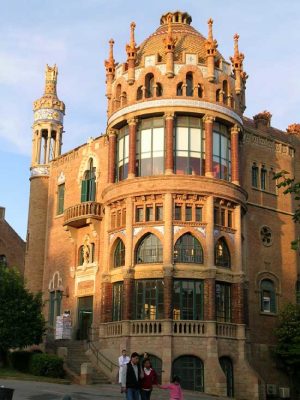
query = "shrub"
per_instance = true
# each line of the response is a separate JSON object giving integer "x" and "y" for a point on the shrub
{"x": 46, "y": 365}
{"x": 19, "y": 360}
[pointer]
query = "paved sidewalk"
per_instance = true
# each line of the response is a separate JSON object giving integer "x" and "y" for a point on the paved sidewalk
{"x": 28, "y": 390}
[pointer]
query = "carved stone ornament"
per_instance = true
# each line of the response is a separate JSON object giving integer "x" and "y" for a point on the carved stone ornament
{"x": 293, "y": 129}
{"x": 48, "y": 114}
{"x": 61, "y": 178}
{"x": 39, "y": 171}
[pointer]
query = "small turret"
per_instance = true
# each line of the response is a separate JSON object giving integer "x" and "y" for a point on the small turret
{"x": 237, "y": 66}
{"x": 169, "y": 43}
{"x": 110, "y": 67}
{"x": 131, "y": 50}
{"x": 211, "y": 48}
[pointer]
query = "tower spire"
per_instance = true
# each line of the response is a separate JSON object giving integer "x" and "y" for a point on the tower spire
{"x": 50, "y": 80}
{"x": 237, "y": 66}
{"x": 211, "y": 49}
{"x": 131, "y": 50}
{"x": 169, "y": 42}
{"x": 110, "y": 68}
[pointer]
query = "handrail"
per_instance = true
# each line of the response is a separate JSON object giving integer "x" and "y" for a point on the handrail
{"x": 99, "y": 356}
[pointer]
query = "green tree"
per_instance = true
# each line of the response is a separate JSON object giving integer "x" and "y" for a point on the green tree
{"x": 287, "y": 350}
{"x": 21, "y": 320}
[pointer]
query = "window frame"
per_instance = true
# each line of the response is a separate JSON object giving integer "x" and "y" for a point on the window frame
{"x": 197, "y": 308}
{"x": 60, "y": 199}
{"x": 155, "y": 250}
{"x": 144, "y": 294}
{"x": 117, "y": 301}
{"x": 181, "y": 249}
{"x": 221, "y": 131}
{"x": 268, "y": 296}
{"x": 223, "y": 307}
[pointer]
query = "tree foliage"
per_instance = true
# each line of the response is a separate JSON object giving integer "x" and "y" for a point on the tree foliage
{"x": 21, "y": 320}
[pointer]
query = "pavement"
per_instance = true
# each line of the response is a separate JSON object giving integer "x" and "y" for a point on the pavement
{"x": 30, "y": 390}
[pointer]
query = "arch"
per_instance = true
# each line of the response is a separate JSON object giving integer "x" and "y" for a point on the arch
{"x": 191, "y": 371}
{"x": 222, "y": 254}
{"x": 267, "y": 296}
{"x": 139, "y": 93}
{"x": 149, "y": 85}
{"x": 88, "y": 184}
{"x": 119, "y": 254}
{"x": 179, "y": 89}
{"x": 188, "y": 249}
{"x": 148, "y": 250}
{"x": 227, "y": 367}
{"x": 159, "y": 89}
{"x": 84, "y": 165}
{"x": 189, "y": 84}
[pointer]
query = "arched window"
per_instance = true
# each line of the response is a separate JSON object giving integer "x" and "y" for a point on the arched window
{"x": 254, "y": 175}
{"x": 222, "y": 254}
{"x": 263, "y": 178}
{"x": 119, "y": 254}
{"x": 139, "y": 93}
{"x": 191, "y": 371}
{"x": 159, "y": 89}
{"x": 149, "y": 84}
{"x": 118, "y": 95}
{"x": 225, "y": 91}
{"x": 221, "y": 152}
{"x": 149, "y": 250}
{"x": 124, "y": 99}
{"x": 200, "y": 91}
{"x": 188, "y": 250}
{"x": 122, "y": 154}
{"x": 179, "y": 89}
{"x": 189, "y": 84}
{"x": 3, "y": 260}
{"x": 218, "y": 95}
{"x": 88, "y": 184}
{"x": 227, "y": 367}
{"x": 267, "y": 296}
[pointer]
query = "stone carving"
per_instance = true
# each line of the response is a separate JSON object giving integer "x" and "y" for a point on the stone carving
{"x": 39, "y": 171}
{"x": 65, "y": 159}
{"x": 48, "y": 114}
{"x": 160, "y": 229}
{"x": 202, "y": 230}
{"x": 293, "y": 129}
{"x": 136, "y": 231}
{"x": 61, "y": 178}
{"x": 277, "y": 147}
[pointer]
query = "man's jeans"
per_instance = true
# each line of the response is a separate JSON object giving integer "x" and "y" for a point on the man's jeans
{"x": 132, "y": 394}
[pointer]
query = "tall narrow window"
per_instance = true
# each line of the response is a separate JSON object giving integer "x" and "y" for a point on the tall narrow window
{"x": 60, "y": 198}
{"x": 149, "y": 299}
{"x": 55, "y": 298}
{"x": 151, "y": 147}
{"x": 221, "y": 152}
{"x": 223, "y": 302}
{"x": 222, "y": 254}
{"x": 117, "y": 301}
{"x": 225, "y": 91}
{"x": 149, "y": 250}
{"x": 149, "y": 213}
{"x": 267, "y": 296}
{"x": 159, "y": 213}
{"x": 298, "y": 292}
{"x": 88, "y": 184}
{"x": 189, "y": 84}
{"x": 178, "y": 212}
{"x": 122, "y": 154}
{"x": 189, "y": 146}
{"x": 198, "y": 214}
{"x": 188, "y": 250}
{"x": 119, "y": 254}
{"x": 263, "y": 178}
{"x": 179, "y": 89}
{"x": 255, "y": 175}
{"x": 188, "y": 213}
{"x": 188, "y": 299}
{"x": 149, "y": 84}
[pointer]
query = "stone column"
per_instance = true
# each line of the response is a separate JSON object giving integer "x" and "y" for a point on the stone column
{"x": 238, "y": 259}
{"x": 129, "y": 233}
{"x": 34, "y": 147}
{"x": 169, "y": 164}
{"x": 47, "y": 155}
{"x": 235, "y": 178}
{"x": 106, "y": 299}
{"x": 132, "y": 123}
{"x": 237, "y": 298}
{"x": 209, "y": 283}
{"x": 209, "y": 299}
{"x": 57, "y": 142}
{"x": 168, "y": 256}
{"x": 128, "y": 288}
{"x": 128, "y": 293}
{"x": 112, "y": 137}
{"x": 38, "y": 147}
{"x": 208, "y": 126}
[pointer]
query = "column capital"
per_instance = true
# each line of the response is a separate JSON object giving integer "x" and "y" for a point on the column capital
{"x": 208, "y": 119}
{"x": 112, "y": 132}
{"x": 235, "y": 129}
{"x": 169, "y": 115}
{"x": 132, "y": 121}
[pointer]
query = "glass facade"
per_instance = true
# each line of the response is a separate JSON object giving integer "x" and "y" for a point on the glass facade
{"x": 149, "y": 299}
{"x": 189, "y": 146}
{"x": 150, "y": 147}
{"x": 221, "y": 152}
{"x": 188, "y": 300}
{"x": 223, "y": 302}
{"x": 122, "y": 154}
{"x": 117, "y": 301}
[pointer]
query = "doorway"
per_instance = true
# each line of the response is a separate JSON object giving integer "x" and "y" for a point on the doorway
{"x": 85, "y": 317}
{"x": 227, "y": 368}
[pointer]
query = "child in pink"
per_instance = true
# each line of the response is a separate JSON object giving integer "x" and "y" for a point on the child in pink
{"x": 174, "y": 388}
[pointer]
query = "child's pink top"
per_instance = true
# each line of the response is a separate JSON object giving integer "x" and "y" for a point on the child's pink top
{"x": 175, "y": 391}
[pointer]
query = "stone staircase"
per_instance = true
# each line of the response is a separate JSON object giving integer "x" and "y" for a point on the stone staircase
{"x": 76, "y": 356}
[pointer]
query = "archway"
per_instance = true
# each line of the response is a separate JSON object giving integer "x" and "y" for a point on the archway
{"x": 191, "y": 371}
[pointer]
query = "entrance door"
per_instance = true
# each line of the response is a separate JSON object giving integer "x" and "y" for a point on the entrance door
{"x": 85, "y": 316}
{"x": 227, "y": 368}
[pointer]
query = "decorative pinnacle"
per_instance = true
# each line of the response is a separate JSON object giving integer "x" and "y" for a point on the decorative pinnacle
{"x": 236, "y": 44}
{"x": 169, "y": 41}
{"x": 210, "y": 32}
{"x": 132, "y": 40}
{"x": 50, "y": 80}
{"x": 237, "y": 57}
{"x": 169, "y": 19}
{"x": 111, "y": 50}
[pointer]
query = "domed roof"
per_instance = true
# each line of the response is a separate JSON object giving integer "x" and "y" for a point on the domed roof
{"x": 189, "y": 40}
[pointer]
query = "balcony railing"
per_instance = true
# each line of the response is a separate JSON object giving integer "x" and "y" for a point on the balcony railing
{"x": 173, "y": 328}
{"x": 81, "y": 214}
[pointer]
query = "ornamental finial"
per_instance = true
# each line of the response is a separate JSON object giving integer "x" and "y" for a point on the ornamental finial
{"x": 132, "y": 40}
{"x": 210, "y": 31}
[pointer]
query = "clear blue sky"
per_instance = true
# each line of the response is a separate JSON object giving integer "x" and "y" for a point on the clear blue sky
{"x": 74, "y": 34}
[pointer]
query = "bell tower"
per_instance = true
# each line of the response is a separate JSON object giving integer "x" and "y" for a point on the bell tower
{"x": 46, "y": 145}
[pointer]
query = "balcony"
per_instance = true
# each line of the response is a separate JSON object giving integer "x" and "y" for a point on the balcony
{"x": 173, "y": 328}
{"x": 83, "y": 214}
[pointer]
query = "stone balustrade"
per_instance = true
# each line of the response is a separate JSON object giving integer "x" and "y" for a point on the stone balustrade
{"x": 226, "y": 330}
{"x": 79, "y": 214}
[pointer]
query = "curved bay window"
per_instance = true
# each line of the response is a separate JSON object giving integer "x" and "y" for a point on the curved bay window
{"x": 188, "y": 250}
{"x": 119, "y": 254}
{"x": 151, "y": 147}
{"x": 221, "y": 152}
{"x": 189, "y": 146}
{"x": 122, "y": 153}
{"x": 222, "y": 254}
{"x": 88, "y": 184}
{"x": 188, "y": 300}
{"x": 149, "y": 250}
{"x": 149, "y": 299}
{"x": 267, "y": 296}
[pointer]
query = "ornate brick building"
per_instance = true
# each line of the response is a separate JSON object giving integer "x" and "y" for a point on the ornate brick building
{"x": 167, "y": 233}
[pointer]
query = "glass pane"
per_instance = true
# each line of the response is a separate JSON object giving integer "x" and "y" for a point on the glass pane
{"x": 182, "y": 138}
{"x": 224, "y": 144}
{"x": 146, "y": 141}
{"x": 216, "y": 144}
{"x": 158, "y": 142}
{"x": 195, "y": 136}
